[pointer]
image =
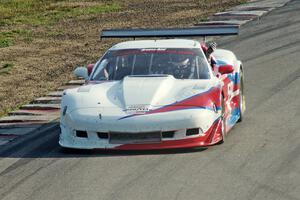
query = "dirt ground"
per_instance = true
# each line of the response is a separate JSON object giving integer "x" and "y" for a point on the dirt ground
{"x": 47, "y": 61}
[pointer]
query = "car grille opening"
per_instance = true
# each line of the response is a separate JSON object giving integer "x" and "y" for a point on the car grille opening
{"x": 102, "y": 135}
{"x": 168, "y": 134}
{"x": 134, "y": 138}
{"x": 81, "y": 134}
{"x": 192, "y": 131}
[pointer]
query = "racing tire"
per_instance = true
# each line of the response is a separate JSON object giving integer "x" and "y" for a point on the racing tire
{"x": 242, "y": 102}
{"x": 223, "y": 130}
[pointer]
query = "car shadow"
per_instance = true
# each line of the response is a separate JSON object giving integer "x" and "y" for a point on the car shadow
{"x": 113, "y": 153}
{"x": 45, "y": 145}
{"x": 55, "y": 151}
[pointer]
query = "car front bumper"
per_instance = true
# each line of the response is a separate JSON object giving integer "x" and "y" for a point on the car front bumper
{"x": 177, "y": 123}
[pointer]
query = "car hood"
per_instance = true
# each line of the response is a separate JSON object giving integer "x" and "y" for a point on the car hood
{"x": 135, "y": 93}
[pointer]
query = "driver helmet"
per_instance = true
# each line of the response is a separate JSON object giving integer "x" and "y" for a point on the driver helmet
{"x": 182, "y": 64}
{"x": 182, "y": 68}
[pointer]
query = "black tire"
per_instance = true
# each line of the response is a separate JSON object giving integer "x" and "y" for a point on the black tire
{"x": 223, "y": 121}
{"x": 242, "y": 102}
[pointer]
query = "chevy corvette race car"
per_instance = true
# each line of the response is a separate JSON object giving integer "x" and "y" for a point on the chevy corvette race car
{"x": 155, "y": 94}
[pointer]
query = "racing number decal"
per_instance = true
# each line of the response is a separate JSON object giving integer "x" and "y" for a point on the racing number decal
{"x": 230, "y": 90}
{"x": 229, "y": 96}
{"x": 228, "y": 87}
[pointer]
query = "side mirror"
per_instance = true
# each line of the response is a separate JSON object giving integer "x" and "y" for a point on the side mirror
{"x": 90, "y": 68}
{"x": 226, "y": 69}
{"x": 81, "y": 72}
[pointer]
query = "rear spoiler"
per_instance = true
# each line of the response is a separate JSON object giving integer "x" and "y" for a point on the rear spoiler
{"x": 205, "y": 30}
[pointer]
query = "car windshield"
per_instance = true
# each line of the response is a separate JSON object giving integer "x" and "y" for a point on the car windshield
{"x": 180, "y": 63}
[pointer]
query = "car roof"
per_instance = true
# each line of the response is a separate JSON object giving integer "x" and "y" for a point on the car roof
{"x": 165, "y": 43}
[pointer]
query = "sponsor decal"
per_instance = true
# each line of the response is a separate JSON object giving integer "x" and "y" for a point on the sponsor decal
{"x": 199, "y": 101}
{"x": 137, "y": 109}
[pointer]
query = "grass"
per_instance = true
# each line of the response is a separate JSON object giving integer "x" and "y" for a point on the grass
{"x": 8, "y": 38}
{"x": 5, "y": 42}
{"x": 6, "y": 68}
{"x": 33, "y": 13}
{"x": 47, "y": 12}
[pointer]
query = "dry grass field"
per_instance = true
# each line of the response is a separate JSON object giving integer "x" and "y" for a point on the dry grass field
{"x": 41, "y": 42}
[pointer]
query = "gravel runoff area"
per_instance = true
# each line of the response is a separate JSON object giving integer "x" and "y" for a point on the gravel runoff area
{"x": 42, "y": 55}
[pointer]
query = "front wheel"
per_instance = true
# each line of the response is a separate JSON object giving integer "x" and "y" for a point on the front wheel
{"x": 223, "y": 121}
{"x": 242, "y": 102}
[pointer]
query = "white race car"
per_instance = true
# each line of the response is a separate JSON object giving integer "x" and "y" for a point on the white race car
{"x": 155, "y": 94}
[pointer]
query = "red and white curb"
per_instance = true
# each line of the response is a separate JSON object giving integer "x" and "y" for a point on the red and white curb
{"x": 44, "y": 110}
{"x": 32, "y": 116}
{"x": 244, "y": 13}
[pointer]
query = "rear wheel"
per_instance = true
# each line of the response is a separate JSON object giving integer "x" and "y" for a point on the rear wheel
{"x": 223, "y": 121}
{"x": 242, "y": 102}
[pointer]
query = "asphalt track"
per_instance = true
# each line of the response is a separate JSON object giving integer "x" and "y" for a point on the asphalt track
{"x": 260, "y": 159}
